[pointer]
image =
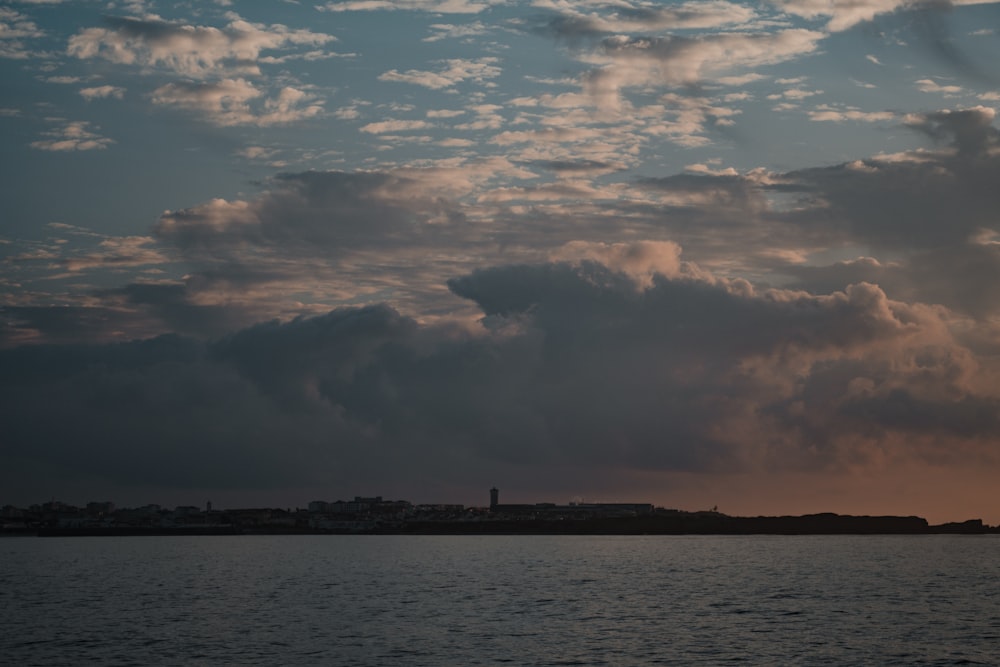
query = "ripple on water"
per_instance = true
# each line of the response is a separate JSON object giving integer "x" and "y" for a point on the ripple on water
{"x": 482, "y": 600}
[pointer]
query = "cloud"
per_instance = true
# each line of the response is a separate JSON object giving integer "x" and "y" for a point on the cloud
{"x": 913, "y": 201}
{"x": 456, "y": 71}
{"x": 951, "y": 276}
{"x": 643, "y": 260}
{"x": 384, "y": 126}
{"x": 577, "y": 366}
{"x": 194, "y": 51}
{"x": 435, "y": 6}
{"x": 449, "y": 31}
{"x": 931, "y": 86}
{"x": 890, "y": 208}
{"x": 229, "y": 102}
{"x": 624, "y": 18}
{"x": 578, "y": 167}
{"x": 155, "y": 438}
{"x": 117, "y": 252}
{"x": 184, "y": 308}
{"x": 844, "y": 14}
{"x": 680, "y": 348}
{"x": 322, "y": 208}
{"x": 628, "y": 62}
{"x": 102, "y": 92}
{"x": 72, "y": 136}
{"x": 444, "y": 113}
{"x": 830, "y": 114}
{"x": 969, "y": 131}
{"x": 305, "y": 219}
{"x": 15, "y": 28}
{"x": 67, "y": 324}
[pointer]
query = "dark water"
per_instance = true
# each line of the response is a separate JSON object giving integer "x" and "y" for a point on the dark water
{"x": 487, "y": 600}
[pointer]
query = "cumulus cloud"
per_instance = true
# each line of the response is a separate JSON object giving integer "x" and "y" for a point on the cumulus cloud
{"x": 750, "y": 223}
{"x": 919, "y": 203}
{"x": 952, "y": 276}
{"x": 643, "y": 260}
{"x": 931, "y": 86}
{"x": 576, "y": 362}
{"x": 318, "y": 235}
{"x": 15, "y": 28}
{"x": 969, "y": 131}
{"x": 230, "y": 102}
{"x": 194, "y": 51}
{"x": 328, "y": 211}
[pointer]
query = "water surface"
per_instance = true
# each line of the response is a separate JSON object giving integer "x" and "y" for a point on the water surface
{"x": 488, "y": 600}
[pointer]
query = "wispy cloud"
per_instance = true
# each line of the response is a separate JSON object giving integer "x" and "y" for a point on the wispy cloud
{"x": 456, "y": 71}
{"x": 435, "y": 6}
{"x": 102, "y": 92}
{"x": 72, "y": 136}
{"x": 630, "y": 62}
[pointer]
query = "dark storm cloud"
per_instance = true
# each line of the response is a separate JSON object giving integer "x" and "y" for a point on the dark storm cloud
{"x": 141, "y": 309}
{"x": 172, "y": 411}
{"x": 313, "y": 358}
{"x": 931, "y": 213}
{"x": 691, "y": 317}
{"x": 175, "y": 307}
{"x": 969, "y": 131}
{"x": 580, "y": 366}
{"x": 66, "y": 324}
{"x": 968, "y": 416}
{"x": 919, "y": 202}
{"x": 959, "y": 277}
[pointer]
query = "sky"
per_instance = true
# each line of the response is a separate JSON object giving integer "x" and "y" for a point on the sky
{"x": 702, "y": 253}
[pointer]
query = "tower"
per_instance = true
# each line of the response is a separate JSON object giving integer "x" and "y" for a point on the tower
{"x": 494, "y": 497}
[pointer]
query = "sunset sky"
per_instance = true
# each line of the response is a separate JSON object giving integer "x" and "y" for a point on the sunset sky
{"x": 703, "y": 253}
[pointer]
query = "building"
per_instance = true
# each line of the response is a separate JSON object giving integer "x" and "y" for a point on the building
{"x": 570, "y": 511}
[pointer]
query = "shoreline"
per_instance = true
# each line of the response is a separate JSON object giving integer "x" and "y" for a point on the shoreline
{"x": 684, "y": 524}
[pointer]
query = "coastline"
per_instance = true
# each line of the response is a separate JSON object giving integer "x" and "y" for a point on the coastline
{"x": 706, "y": 523}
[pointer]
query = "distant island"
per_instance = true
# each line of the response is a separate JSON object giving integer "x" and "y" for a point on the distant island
{"x": 376, "y": 516}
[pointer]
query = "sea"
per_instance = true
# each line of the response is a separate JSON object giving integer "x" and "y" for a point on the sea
{"x": 370, "y": 600}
